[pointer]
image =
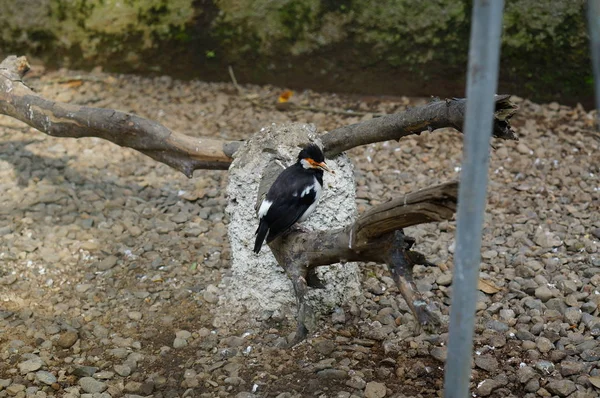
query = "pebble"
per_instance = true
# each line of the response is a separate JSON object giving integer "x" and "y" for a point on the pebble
{"x": 569, "y": 368}
{"x": 324, "y": 346}
{"x": 486, "y": 387}
{"x": 84, "y": 371}
{"x": 91, "y": 385}
{"x": 179, "y": 342}
{"x": 562, "y": 388}
{"x": 107, "y": 263}
{"x": 45, "y": 377}
{"x": 122, "y": 370}
{"x": 30, "y": 365}
{"x": 573, "y": 315}
{"x": 356, "y": 382}
{"x": 439, "y": 353}
{"x": 486, "y": 362}
{"x": 544, "y": 293}
{"x": 211, "y": 294}
{"x": 544, "y": 345}
{"x": 375, "y": 390}
{"x": 67, "y": 339}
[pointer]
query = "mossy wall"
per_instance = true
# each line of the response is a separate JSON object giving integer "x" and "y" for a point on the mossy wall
{"x": 408, "y": 47}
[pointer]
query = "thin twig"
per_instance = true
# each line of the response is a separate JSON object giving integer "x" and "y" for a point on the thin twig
{"x": 234, "y": 80}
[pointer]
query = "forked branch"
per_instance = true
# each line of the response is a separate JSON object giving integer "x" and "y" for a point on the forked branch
{"x": 376, "y": 236}
{"x": 182, "y": 152}
{"x": 187, "y": 154}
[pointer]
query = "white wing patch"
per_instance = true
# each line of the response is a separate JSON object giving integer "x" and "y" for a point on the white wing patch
{"x": 317, "y": 188}
{"x": 264, "y": 208}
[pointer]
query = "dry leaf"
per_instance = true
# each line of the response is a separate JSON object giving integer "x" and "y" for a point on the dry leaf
{"x": 285, "y": 96}
{"x": 595, "y": 380}
{"x": 74, "y": 83}
{"x": 487, "y": 287}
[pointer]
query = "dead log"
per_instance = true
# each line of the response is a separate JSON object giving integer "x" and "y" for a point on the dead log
{"x": 376, "y": 236}
{"x": 185, "y": 153}
{"x": 179, "y": 151}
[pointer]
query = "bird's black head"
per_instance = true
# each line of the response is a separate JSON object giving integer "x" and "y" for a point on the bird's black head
{"x": 311, "y": 157}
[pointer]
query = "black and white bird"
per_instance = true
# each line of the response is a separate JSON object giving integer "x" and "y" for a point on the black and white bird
{"x": 293, "y": 196}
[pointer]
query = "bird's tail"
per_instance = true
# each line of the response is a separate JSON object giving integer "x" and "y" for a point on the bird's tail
{"x": 261, "y": 233}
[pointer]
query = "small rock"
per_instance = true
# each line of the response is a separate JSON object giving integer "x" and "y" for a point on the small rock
{"x": 15, "y": 389}
{"x": 546, "y": 239}
{"x": 573, "y": 315}
{"x": 356, "y": 382}
{"x": 134, "y": 315}
{"x": 544, "y": 293}
{"x": 589, "y": 307}
{"x": 183, "y": 334}
{"x": 104, "y": 375}
{"x": 45, "y": 377}
{"x": 444, "y": 279}
{"x": 122, "y": 370}
{"x": 67, "y": 339}
{"x": 439, "y": 353}
{"x": 31, "y": 365}
{"x": 372, "y": 285}
{"x": 133, "y": 387}
{"x": 523, "y": 149}
{"x": 324, "y": 346}
{"x": 91, "y": 385}
{"x": 562, "y": 388}
{"x": 211, "y": 294}
{"x": 234, "y": 381}
{"x": 507, "y": 315}
{"x": 545, "y": 367}
{"x": 544, "y": 345}
{"x": 84, "y": 371}
{"x": 338, "y": 316}
{"x": 590, "y": 355}
{"x": 486, "y": 387}
{"x": 568, "y": 368}
{"x": 486, "y": 362}
{"x": 526, "y": 373}
{"x": 332, "y": 374}
{"x": 497, "y": 326}
{"x": 179, "y": 342}
{"x": 375, "y": 390}
{"x": 107, "y": 263}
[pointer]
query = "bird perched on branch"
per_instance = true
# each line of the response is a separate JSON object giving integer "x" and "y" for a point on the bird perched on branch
{"x": 293, "y": 196}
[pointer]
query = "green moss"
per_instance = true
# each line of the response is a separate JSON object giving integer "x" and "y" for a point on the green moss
{"x": 94, "y": 26}
{"x": 544, "y": 53}
{"x": 295, "y": 27}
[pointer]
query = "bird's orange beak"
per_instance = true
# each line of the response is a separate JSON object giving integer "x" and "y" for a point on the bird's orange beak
{"x": 321, "y": 166}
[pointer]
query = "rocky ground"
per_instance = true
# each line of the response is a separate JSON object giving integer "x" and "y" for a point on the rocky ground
{"x": 111, "y": 263}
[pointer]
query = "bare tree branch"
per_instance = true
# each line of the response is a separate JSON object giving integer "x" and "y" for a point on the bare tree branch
{"x": 375, "y": 236}
{"x": 179, "y": 151}
{"x": 435, "y": 115}
{"x": 187, "y": 154}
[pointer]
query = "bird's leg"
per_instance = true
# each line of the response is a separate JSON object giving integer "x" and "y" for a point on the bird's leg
{"x": 401, "y": 262}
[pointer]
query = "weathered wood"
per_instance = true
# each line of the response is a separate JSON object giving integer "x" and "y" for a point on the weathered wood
{"x": 182, "y": 152}
{"x": 376, "y": 236}
{"x": 187, "y": 154}
{"x": 435, "y": 115}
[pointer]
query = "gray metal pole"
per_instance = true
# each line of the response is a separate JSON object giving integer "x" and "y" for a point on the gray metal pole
{"x": 482, "y": 80}
{"x": 593, "y": 13}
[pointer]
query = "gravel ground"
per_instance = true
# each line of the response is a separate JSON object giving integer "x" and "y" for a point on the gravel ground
{"x": 111, "y": 263}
